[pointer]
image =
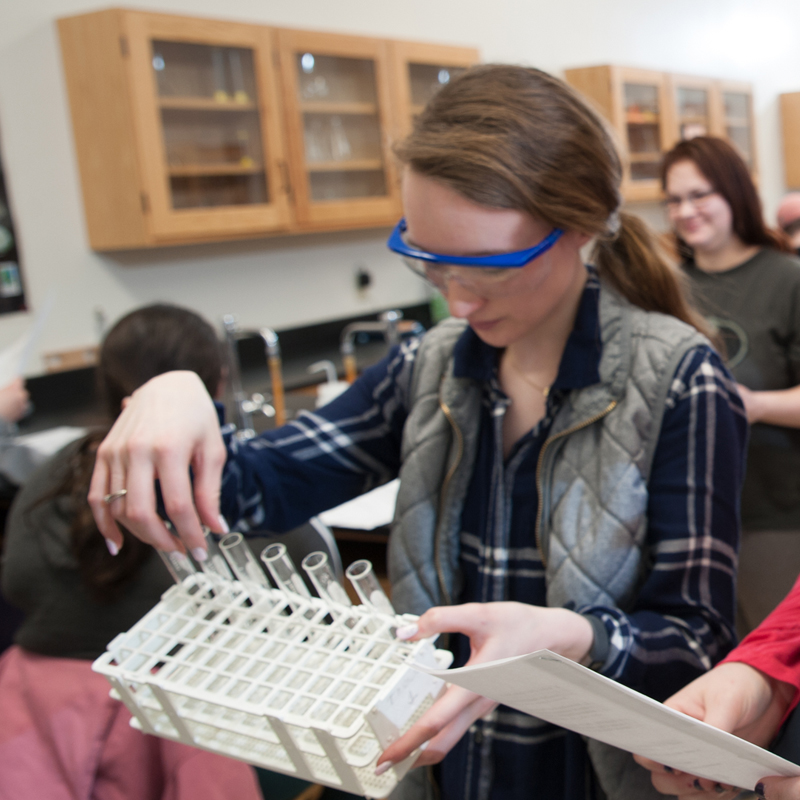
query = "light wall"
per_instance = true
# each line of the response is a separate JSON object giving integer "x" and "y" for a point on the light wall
{"x": 295, "y": 280}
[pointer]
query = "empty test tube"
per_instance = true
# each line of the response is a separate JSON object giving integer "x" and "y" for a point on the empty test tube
{"x": 242, "y": 561}
{"x": 282, "y": 568}
{"x": 215, "y": 565}
{"x": 319, "y": 570}
{"x": 366, "y": 584}
{"x": 178, "y": 564}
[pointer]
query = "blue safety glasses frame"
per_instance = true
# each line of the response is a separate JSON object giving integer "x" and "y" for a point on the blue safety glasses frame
{"x": 513, "y": 260}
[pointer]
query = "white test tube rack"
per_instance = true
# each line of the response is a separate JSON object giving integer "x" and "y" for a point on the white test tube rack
{"x": 294, "y": 684}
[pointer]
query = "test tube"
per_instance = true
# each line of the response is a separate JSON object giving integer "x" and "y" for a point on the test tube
{"x": 328, "y": 588}
{"x": 282, "y": 568}
{"x": 178, "y": 564}
{"x": 215, "y": 565}
{"x": 366, "y": 584}
{"x": 243, "y": 562}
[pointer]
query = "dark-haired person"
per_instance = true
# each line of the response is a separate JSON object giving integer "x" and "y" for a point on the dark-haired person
{"x": 747, "y": 285}
{"x": 569, "y": 445}
{"x": 61, "y": 735}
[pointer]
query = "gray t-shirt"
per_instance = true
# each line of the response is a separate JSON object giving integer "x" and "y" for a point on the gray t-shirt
{"x": 756, "y": 308}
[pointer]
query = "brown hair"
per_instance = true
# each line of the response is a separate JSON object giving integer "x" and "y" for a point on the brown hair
{"x": 723, "y": 167}
{"x": 143, "y": 344}
{"x": 516, "y": 137}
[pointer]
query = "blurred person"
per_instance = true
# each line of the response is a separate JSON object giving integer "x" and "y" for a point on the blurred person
{"x": 789, "y": 218}
{"x": 62, "y": 736}
{"x": 14, "y": 401}
{"x": 747, "y": 285}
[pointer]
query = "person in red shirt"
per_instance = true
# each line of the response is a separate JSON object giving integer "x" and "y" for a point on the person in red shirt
{"x": 752, "y": 694}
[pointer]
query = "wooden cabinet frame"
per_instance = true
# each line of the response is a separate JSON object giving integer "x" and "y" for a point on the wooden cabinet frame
{"x": 790, "y": 124}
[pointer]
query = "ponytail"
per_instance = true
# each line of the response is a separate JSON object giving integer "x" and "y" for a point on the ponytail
{"x": 636, "y": 265}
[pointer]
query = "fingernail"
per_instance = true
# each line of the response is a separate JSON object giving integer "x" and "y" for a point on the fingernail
{"x": 385, "y": 767}
{"x": 112, "y": 547}
{"x": 407, "y": 631}
{"x": 759, "y": 790}
{"x": 199, "y": 554}
{"x": 223, "y": 525}
{"x": 669, "y": 769}
{"x": 697, "y": 785}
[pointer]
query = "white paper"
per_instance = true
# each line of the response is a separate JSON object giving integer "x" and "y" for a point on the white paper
{"x": 367, "y": 512}
{"x": 564, "y": 693}
{"x": 15, "y": 358}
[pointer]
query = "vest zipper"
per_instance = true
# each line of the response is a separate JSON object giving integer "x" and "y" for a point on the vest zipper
{"x": 447, "y": 600}
{"x": 590, "y": 421}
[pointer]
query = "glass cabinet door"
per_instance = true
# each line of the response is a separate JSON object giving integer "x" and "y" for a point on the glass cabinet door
{"x": 337, "y": 110}
{"x": 642, "y": 108}
{"x": 212, "y": 142}
{"x": 210, "y": 125}
{"x": 693, "y": 111}
{"x": 419, "y": 71}
{"x": 738, "y": 123}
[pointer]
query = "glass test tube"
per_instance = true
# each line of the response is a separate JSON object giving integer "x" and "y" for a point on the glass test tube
{"x": 178, "y": 564}
{"x": 328, "y": 588}
{"x": 242, "y": 561}
{"x": 215, "y": 565}
{"x": 369, "y": 589}
{"x": 282, "y": 568}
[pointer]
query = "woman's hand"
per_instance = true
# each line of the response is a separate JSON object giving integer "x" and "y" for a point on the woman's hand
{"x": 14, "y": 400}
{"x": 495, "y": 630}
{"x": 169, "y": 425}
{"x": 736, "y": 698}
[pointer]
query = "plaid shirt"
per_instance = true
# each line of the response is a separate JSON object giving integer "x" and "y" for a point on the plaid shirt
{"x": 682, "y": 621}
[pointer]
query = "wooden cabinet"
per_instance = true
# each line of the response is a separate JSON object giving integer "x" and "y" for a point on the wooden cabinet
{"x": 790, "y": 123}
{"x": 177, "y": 128}
{"x": 191, "y": 130}
{"x": 651, "y": 111}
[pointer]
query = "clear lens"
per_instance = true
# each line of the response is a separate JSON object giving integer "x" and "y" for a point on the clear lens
{"x": 480, "y": 280}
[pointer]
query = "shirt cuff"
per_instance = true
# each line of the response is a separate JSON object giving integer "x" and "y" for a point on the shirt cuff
{"x": 600, "y": 645}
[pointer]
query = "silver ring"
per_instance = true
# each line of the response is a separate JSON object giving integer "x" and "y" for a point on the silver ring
{"x": 110, "y": 498}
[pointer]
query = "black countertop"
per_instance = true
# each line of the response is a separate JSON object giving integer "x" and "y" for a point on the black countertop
{"x": 72, "y": 398}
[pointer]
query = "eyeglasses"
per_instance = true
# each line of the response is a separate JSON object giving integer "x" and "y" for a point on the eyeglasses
{"x": 695, "y": 199}
{"x": 487, "y": 274}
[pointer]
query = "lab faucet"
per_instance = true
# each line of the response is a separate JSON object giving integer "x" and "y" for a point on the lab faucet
{"x": 247, "y": 406}
{"x": 390, "y": 324}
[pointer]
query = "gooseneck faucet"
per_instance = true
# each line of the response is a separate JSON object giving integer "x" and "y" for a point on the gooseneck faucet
{"x": 390, "y": 324}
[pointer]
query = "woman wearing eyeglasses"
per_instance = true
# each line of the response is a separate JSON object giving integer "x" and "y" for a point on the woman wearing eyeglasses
{"x": 747, "y": 284}
{"x": 569, "y": 446}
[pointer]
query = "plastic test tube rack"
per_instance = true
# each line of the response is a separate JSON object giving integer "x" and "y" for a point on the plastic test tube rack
{"x": 295, "y": 684}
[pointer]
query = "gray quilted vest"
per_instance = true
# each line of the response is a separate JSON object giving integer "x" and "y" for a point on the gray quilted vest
{"x": 592, "y": 481}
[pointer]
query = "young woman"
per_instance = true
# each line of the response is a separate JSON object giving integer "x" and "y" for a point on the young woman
{"x": 62, "y": 736}
{"x": 748, "y": 287}
{"x": 569, "y": 446}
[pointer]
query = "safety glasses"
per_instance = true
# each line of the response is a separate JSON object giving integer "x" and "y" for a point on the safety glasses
{"x": 485, "y": 274}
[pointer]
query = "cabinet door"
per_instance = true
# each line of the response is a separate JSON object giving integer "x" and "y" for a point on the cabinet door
{"x": 206, "y": 110}
{"x": 693, "y": 104}
{"x": 646, "y": 116}
{"x": 337, "y": 102}
{"x": 418, "y": 72}
{"x": 735, "y": 110}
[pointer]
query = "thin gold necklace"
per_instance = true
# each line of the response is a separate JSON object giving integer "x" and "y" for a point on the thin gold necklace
{"x": 544, "y": 390}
